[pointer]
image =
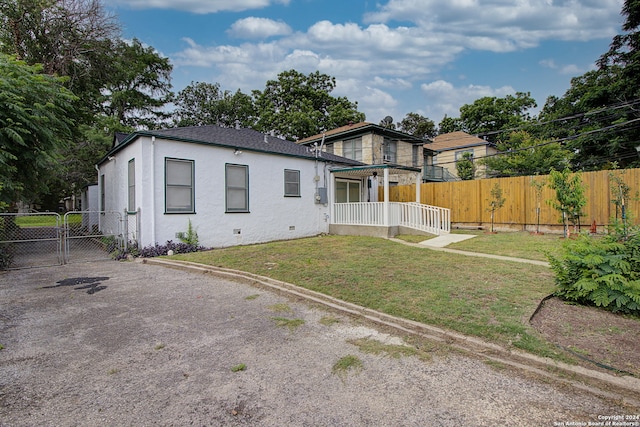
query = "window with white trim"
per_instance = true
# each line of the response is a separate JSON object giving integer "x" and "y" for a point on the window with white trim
{"x": 179, "y": 187}
{"x": 347, "y": 191}
{"x": 131, "y": 178}
{"x": 390, "y": 150}
{"x": 291, "y": 183}
{"x": 236, "y": 188}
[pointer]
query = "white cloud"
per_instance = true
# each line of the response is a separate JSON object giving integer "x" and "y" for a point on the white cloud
{"x": 258, "y": 28}
{"x": 201, "y": 6}
{"x": 442, "y": 97}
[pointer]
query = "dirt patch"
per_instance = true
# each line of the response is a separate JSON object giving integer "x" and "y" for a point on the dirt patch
{"x": 600, "y": 339}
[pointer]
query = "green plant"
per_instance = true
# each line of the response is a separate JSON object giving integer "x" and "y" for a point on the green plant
{"x": 252, "y": 297}
{"x": 280, "y": 308}
{"x": 367, "y": 345}
{"x": 601, "y": 271}
{"x": 538, "y": 186}
{"x": 465, "y": 167}
{"x": 496, "y": 201}
{"x": 238, "y": 368}
{"x": 570, "y": 196}
{"x": 190, "y": 237}
{"x": 329, "y": 320}
{"x": 620, "y": 196}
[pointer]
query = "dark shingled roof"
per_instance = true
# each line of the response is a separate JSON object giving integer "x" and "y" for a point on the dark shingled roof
{"x": 243, "y": 139}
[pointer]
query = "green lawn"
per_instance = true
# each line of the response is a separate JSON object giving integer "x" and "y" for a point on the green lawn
{"x": 512, "y": 243}
{"x": 27, "y": 221}
{"x": 476, "y": 296}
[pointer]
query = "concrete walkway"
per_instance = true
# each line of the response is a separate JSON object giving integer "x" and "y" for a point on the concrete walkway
{"x": 439, "y": 244}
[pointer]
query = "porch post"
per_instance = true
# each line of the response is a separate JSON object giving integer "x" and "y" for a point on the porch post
{"x": 386, "y": 205}
{"x": 418, "y": 185}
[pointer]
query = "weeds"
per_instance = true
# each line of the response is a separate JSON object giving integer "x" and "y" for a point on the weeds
{"x": 292, "y": 324}
{"x": 346, "y": 364}
{"x": 239, "y": 368}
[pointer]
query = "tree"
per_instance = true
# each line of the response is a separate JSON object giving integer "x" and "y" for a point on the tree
{"x": 489, "y": 115}
{"x": 521, "y": 155}
{"x": 496, "y": 202}
{"x": 297, "y": 106}
{"x": 465, "y": 167}
{"x": 139, "y": 86}
{"x": 418, "y": 126}
{"x": 205, "y": 103}
{"x": 68, "y": 37}
{"x": 570, "y": 197}
{"x": 449, "y": 124}
{"x": 36, "y": 119}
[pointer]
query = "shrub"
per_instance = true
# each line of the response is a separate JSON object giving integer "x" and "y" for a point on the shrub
{"x": 600, "y": 271}
{"x": 157, "y": 250}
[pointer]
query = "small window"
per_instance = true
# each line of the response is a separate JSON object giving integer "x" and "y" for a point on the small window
{"x": 460, "y": 154}
{"x": 237, "y": 188}
{"x": 179, "y": 191}
{"x": 328, "y": 148}
{"x": 132, "y": 185}
{"x": 390, "y": 150}
{"x": 352, "y": 149}
{"x": 291, "y": 183}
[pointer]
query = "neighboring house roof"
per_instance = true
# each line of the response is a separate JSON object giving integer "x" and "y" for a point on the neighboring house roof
{"x": 242, "y": 139}
{"x": 455, "y": 141}
{"x": 356, "y": 129}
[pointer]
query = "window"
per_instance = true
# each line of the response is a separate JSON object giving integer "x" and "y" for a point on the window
{"x": 179, "y": 191}
{"x": 102, "y": 193}
{"x": 328, "y": 148}
{"x": 460, "y": 154}
{"x": 237, "y": 188}
{"x": 132, "y": 185}
{"x": 291, "y": 183}
{"x": 390, "y": 150}
{"x": 347, "y": 191}
{"x": 416, "y": 150}
{"x": 352, "y": 149}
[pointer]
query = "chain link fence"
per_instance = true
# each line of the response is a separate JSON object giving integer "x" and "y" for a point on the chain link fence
{"x": 46, "y": 239}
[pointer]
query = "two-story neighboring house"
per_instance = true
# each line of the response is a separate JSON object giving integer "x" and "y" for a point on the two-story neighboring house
{"x": 449, "y": 148}
{"x": 374, "y": 145}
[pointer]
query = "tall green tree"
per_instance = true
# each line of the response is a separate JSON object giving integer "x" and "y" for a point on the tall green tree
{"x": 490, "y": 115}
{"x": 36, "y": 120}
{"x": 297, "y": 106}
{"x": 139, "y": 86}
{"x": 449, "y": 124}
{"x": 417, "y": 125}
{"x": 206, "y": 103}
{"x": 521, "y": 155}
{"x": 465, "y": 167}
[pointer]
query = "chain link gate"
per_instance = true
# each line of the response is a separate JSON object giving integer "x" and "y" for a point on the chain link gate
{"x": 46, "y": 239}
{"x": 30, "y": 240}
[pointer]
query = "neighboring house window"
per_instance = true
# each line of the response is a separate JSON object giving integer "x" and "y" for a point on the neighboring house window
{"x": 347, "y": 191}
{"x": 390, "y": 150}
{"x": 460, "y": 154}
{"x": 237, "y": 188}
{"x": 102, "y": 193}
{"x": 352, "y": 149}
{"x": 328, "y": 148}
{"x": 179, "y": 188}
{"x": 415, "y": 155}
{"x": 131, "y": 176}
{"x": 291, "y": 183}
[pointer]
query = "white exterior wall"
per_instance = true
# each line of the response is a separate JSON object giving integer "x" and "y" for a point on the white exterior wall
{"x": 271, "y": 215}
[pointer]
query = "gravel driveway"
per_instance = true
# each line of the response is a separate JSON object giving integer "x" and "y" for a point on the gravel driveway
{"x": 108, "y": 343}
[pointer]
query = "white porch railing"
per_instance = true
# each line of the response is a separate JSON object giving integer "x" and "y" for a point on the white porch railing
{"x": 431, "y": 219}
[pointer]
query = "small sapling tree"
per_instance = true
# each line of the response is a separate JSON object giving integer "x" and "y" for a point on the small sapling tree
{"x": 496, "y": 202}
{"x": 538, "y": 186}
{"x": 570, "y": 197}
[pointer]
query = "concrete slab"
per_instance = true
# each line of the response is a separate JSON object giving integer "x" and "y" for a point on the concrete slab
{"x": 446, "y": 240}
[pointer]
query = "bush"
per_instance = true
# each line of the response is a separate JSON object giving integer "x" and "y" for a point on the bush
{"x": 603, "y": 271}
{"x": 157, "y": 250}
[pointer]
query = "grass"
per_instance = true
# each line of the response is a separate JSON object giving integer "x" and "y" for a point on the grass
{"x": 345, "y": 364}
{"x": 239, "y": 368}
{"x": 292, "y": 324}
{"x": 280, "y": 308}
{"x": 482, "y": 297}
{"x": 511, "y": 243}
{"x": 329, "y": 320}
{"x": 27, "y": 221}
{"x": 252, "y": 297}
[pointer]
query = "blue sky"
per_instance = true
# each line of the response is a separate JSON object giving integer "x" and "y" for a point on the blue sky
{"x": 392, "y": 57}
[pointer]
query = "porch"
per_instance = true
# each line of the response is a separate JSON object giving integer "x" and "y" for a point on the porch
{"x": 352, "y": 216}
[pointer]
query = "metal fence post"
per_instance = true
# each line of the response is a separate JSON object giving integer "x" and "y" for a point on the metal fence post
{"x": 126, "y": 229}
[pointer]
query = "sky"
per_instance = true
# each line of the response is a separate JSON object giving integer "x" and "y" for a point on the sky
{"x": 392, "y": 57}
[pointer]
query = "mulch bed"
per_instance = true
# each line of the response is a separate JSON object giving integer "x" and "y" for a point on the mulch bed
{"x": 600, "y": 339}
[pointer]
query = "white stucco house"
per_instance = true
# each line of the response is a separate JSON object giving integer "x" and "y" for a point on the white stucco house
{"x": 240, "y": 186}
{"x": 236, "y": 186}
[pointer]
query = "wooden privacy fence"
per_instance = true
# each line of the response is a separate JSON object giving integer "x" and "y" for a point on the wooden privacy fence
{"x": 469, "y": 200}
